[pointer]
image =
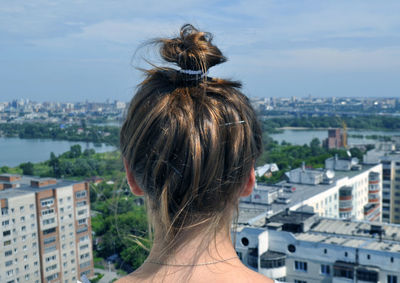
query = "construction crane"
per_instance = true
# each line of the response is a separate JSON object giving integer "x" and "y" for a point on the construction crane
{"x": 344, "y": 135}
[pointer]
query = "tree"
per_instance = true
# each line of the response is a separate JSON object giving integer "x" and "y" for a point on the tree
{"x": 55, "y": 165}
{"x": 27, "y": 168}
{"x": 75, "y": 151}
{"x": 4, "y": 169}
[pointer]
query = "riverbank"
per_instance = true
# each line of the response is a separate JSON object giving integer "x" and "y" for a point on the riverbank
{"x": 14, "y": 151}
{"x": 303, "y": 135}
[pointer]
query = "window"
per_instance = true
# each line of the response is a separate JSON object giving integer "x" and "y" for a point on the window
{"x": 325, "y": 269}
{"x": 367, "y": 275}
{"x": 10, "y": 272}
{"x": 52, "y": 277}
{"x": 22, "y": 219}
{"x": 343, "y": 272}
{"x": 84, "y": 238}
{"x": 7, "y": 233}
{"x": 84, "y": 264}
{"x": 47, "y": 211}
{"x": 87, "y": 246}
{"x": 49, "y": 240}
{"x": 86, "y": 255}
{"x": 50, "y": 258}
{"x": 4, "y": 211}
{"x": 7, "y": 243}
{"x": 82, "y": 221}
{"x": 21, "y": 208}
{"x": 300, "y": 266}
{"x": 81, "y": 203}
{"x": 81, "y": 230}
{"x": 5, "y": 223}
{"x": 299, "y": 281}
{"x": 8, "y": 263}
{"x": 265, "y": 263}
{"x": 49, "y": 231}
{"x": 47, "y": 202}
{"x": 80, "y": 194}
{"x": 49, "y": 221}
{"x": 31, "y": 206}
{"x": 50, "y": 268}
{"x": 8, "y": 253}
{"x": 49, "y": 249}
{"x": 82, "y": 211}
{"x": 391, "y": 279}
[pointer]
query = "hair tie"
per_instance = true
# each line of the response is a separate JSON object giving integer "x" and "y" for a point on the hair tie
{"x": 194, "y": 73}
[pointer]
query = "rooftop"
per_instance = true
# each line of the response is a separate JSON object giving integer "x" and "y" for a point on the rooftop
{"x": 247, "y": 211}
{"x": 353, "y": 234}
{"x": 26, "y": 188}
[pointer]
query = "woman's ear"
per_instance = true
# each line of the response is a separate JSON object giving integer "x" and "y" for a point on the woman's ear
{"x": 248, "y": 189}
{"x": 135, "y": 189}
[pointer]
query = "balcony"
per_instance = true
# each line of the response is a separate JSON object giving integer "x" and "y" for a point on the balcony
{"x": 273, "y": 264}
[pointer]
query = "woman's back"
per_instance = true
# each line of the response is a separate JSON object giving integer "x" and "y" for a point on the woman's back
{"x": 189, "y": 144}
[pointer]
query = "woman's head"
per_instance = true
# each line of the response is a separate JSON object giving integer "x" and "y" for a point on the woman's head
{"x": 189, "y": 141}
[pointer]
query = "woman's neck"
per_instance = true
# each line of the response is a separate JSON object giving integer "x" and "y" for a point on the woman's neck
{"x": 197, "y": 247}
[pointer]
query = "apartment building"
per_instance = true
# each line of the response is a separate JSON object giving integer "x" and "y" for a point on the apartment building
{"x": 300, "y": 247}
{"x": 391, "y": 188}
{"x": 46, "y": 230}
{"x": 386, "y": 154}
{"x": 344, "y": 189}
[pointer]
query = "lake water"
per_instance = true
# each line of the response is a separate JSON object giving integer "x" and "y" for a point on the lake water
{"x": 14, "y": 151}
{"x": 300, "y": 137}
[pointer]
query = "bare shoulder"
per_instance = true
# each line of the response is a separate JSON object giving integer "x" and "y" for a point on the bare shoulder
{"x": 257, "y": 277}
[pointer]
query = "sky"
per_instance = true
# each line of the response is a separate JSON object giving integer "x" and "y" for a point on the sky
{"x": 77, "y": 50}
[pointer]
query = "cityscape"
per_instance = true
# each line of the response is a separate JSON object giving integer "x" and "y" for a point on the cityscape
{"x": 332, "y": 214}
{"x": 323, "y": 204}
{"x": 20, "y": 110}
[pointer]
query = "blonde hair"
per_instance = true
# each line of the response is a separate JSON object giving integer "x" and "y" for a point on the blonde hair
{"x": 190, "y": 142}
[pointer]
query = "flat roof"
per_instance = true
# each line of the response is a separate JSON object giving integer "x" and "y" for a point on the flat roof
{"x": 25, "y": 187}
{"x": 302, "y": 193}
{"x": 353, "y": 234}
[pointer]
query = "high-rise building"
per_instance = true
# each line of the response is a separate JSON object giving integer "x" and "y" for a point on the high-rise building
{"x": 45, "y": 230}
{"x": 391, "y": 188}
{"x": 336, "y": 139}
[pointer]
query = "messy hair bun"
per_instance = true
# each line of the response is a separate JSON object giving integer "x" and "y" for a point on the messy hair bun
{"x": 192, "y": 50}
{"x": 190, "y": 146}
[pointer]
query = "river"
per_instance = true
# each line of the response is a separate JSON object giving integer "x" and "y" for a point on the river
{"x": 300, "y": 137}
{"x": 14, "y": 151}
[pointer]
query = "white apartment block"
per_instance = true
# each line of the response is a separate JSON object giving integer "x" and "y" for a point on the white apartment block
{"x": 300, "y": 247}
{"x": 344, "y": 190}
{"x": 46, "y": 230}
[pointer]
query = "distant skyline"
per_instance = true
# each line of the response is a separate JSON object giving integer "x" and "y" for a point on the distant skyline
{"x": 78, "y": 50}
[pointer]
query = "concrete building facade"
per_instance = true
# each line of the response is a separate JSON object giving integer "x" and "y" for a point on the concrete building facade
{"x": 302, "y": 248}
{"x": 46, "y": 231}
{"x": 391, "y": 188}
{"x": 354, "y": 192}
